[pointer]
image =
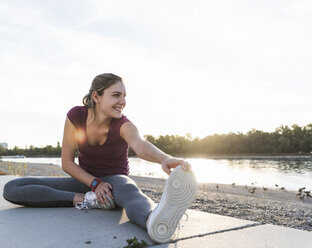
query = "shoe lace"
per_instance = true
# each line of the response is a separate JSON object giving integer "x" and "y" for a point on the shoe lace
{"x": 82, "y": 205}
{"x": 187, "y": 217}
{"x": 177, "y": 232}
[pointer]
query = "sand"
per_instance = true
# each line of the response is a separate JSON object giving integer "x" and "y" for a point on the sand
{"x": 266, "y": 205}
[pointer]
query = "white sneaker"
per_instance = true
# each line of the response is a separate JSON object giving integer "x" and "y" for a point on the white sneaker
{"x": 90, "y": 201}
{"x": 179, "y": 193}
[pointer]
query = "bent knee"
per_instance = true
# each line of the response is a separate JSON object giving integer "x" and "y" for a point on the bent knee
{"x": 9, "y": 189}
{"x": 126, "y": 191}
{"x": 127, "y": 186}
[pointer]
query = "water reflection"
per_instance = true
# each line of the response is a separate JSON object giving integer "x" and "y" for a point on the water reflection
{"x": 289, "y": 173}
{"x": 299, "y": 166}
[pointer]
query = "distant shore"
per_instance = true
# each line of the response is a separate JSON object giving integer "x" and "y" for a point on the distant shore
{"x": 213, "y": 156}
{"x": 290, "y": 156}
{"x": 266, "y": 205}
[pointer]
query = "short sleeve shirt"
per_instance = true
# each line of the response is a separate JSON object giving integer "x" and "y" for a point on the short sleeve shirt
{"x": 101, "y": 160}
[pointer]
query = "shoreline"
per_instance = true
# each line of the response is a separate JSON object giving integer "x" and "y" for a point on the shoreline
{"x": 265, "y": 205}
{"x": 259, "y": 157}
{"x": 212, "y": 156}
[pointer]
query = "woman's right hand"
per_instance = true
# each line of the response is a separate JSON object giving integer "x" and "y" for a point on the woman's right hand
{"x": 102, "y": 191}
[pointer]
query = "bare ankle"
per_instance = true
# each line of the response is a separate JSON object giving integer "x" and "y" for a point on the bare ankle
{"x": 78, "y": 198}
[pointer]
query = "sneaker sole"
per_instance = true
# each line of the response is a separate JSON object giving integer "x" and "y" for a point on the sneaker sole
{"x": 179, "y": 193}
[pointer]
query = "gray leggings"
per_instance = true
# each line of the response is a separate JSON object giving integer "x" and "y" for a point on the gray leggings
{"x": 60, "y": 192}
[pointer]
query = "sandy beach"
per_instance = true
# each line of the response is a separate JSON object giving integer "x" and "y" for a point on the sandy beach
{"x": 266, "y": 205}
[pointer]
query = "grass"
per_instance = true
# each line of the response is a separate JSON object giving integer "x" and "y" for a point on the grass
{"x": 17, "y": 169}
{"x": 134, "y": 243}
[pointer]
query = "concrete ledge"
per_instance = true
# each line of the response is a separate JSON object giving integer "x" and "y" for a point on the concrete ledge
{"x": 66, "y": 227}
{"x": 252, "y": 237}
{"x": 70, "y": 227}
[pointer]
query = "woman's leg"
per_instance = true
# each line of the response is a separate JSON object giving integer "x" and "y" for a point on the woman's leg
{"x": 43, "y": 192}
{"x": 127, "y": 195}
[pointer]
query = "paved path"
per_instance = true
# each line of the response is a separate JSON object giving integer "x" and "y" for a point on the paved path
{"x": 69, "y": 227}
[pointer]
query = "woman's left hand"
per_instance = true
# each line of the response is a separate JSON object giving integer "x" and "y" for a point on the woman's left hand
{"x": 172, "y": 162}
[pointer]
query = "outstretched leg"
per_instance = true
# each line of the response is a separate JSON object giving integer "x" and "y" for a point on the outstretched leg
{"x": 43, "y": 192}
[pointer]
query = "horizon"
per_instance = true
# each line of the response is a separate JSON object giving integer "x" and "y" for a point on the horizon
{"x": 201, "y": 68}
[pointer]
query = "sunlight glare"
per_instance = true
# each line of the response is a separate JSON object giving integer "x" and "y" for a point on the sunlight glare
{"x": 80, "y": 136}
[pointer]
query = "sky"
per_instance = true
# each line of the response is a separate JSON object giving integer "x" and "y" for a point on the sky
{"x": 198, "y": 67}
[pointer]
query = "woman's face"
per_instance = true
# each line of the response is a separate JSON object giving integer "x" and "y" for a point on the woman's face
{"x": 113, "y": 100}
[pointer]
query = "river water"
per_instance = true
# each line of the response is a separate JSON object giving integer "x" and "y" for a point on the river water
{"x": 291, "y": 173}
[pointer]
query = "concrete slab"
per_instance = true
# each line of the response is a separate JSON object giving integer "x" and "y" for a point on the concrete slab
{"x": 200, "y": 223}
{"x": 69, "y": 227}
{"x": 64, "y": 227}
{"x": 253, "y": 237}
{"x": 3, "y": 202}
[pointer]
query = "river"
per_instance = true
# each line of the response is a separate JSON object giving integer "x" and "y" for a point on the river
{"x": 290, "y": 173}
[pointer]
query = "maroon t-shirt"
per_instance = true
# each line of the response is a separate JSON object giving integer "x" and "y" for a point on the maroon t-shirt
{"x": 101, "y": 160}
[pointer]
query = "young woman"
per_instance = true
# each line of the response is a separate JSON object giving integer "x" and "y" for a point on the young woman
{"x": 100, "y": 180}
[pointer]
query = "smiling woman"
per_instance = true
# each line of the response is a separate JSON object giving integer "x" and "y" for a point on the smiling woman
{"x": 99, "y": 84}
{"x": 103, "y": 135}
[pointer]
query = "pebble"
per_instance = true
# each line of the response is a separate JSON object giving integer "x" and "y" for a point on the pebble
{"x": 269, "y": 211}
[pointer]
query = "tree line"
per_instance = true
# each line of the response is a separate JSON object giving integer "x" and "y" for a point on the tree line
{"x": 47, "y": 151}
{"x": 284, "y": 140}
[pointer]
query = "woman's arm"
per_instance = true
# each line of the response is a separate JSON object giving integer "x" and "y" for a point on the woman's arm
{"x": 70, "y": 167}
{"x": 148, "y": 151}
{"x": 68, "y": 155}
